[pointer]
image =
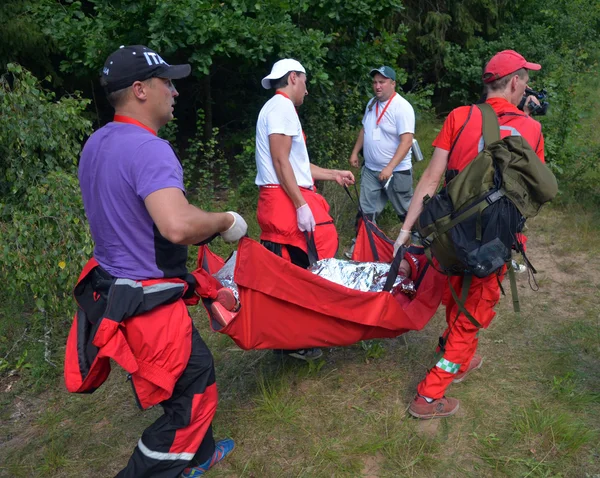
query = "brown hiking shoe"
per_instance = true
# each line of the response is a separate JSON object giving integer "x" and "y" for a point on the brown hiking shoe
{"x": 475, "y": 364}
{"x": 440, "y": 408}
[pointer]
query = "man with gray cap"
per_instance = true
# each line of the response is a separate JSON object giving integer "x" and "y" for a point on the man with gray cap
{"x": 386, "y": 140}
{"x": 290, "y": 213}
{"x": 136, "y": 287}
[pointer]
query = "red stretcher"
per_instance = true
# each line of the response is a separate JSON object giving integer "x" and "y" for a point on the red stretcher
{"x": 287, "y": 307}
{"x": 371, "y": 244}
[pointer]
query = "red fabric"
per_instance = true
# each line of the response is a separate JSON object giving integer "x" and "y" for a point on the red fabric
{"x": 363, "y": 251}
{"x": 153, "y": 347}
{"x": 276, "y": 217}
{"x": 287, "y": 307}
{"x": 129, "y": 120}
{"x": 204, "y": 407}
{"x": 505, "y": 63}
{"x": 466, "y": 147}
{"x": 461, "y": 334}
{"x": 206, "y": 286}
{"x": 522, "y": 238}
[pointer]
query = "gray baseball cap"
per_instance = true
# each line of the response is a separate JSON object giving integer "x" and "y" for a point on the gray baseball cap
{"x": 385, "y": 71}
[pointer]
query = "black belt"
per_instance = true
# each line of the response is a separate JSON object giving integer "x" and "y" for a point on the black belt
{"x": 404, "y": 171}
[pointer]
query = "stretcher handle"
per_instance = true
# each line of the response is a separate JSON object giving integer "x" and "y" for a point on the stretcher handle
{"x": 357, "y": 201}
{"x": 393, "y": 273}
{"x": 311, "y": 248}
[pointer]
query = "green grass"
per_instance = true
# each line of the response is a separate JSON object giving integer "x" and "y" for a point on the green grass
{"x": 533, "y": 410}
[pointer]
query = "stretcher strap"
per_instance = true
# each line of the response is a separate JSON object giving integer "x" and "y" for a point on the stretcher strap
{"x": 393, "y": 273}
{"x": 513, "y": 287}
{"x": 460, "y": 303}
{"x": 311, "y": 247}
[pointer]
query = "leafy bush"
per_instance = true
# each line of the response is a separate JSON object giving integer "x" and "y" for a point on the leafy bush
{"x": 37, "y": 134}
{"x": 44, "y": 238}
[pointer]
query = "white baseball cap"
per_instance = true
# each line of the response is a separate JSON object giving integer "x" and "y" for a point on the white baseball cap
{"x": 280, "y": 69}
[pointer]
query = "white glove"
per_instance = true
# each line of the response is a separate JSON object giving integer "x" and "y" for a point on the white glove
{"x": 237, "y": 230}
{"x": 403, "y": 239}
{"x": 306, "y": 220}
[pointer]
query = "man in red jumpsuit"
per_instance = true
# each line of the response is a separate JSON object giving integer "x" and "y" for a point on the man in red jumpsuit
{"x": 505, "y": 78}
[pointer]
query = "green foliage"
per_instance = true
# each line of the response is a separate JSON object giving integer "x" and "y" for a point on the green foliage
{"x": 44, "y": 239}
{"x": 37, "y": 134}
{"x": 206, "y": 170}
{"x": 230, "y": 46}
{"x": 45, "y": 243}
{"x": 21, "y": 40}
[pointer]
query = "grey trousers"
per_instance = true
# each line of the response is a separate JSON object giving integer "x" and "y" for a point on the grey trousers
{"x": 373, "y": 195}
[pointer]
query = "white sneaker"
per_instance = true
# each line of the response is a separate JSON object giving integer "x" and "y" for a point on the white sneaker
{"x": 304, "y": 354}
{"x": 350, "y": 251}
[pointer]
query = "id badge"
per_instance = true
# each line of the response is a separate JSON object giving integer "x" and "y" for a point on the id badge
{"x": 377, "y": 134}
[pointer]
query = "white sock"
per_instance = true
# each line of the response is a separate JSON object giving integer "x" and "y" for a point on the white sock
{"x": 427, "y": 399}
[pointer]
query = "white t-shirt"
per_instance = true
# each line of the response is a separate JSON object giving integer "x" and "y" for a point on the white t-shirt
{"x": 278, "y": 116}
{"x": 379, "y": 147}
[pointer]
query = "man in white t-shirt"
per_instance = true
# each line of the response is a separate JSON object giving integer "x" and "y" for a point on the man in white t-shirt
{"x": 386, "y": 140}
{"x": 290, "y": 213}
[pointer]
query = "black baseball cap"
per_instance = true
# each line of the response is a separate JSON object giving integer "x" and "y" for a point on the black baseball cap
{"x": 137, "y": 63}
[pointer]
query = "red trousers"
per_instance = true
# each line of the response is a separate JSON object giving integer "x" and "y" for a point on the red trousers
{"x": 461, "y": 334}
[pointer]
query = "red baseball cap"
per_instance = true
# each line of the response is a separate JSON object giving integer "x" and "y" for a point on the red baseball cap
{"x": 505, "y": 63}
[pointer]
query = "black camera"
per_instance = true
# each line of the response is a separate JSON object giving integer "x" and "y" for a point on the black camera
{"x": 535, "y": 109}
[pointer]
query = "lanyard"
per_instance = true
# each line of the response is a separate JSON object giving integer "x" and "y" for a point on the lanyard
{"x": 127, "y": 119}
{"x": 286, "y": 96}
{"x": 377, "y": 115}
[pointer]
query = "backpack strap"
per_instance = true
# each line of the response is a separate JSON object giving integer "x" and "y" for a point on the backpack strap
{"x": 460, "y": 303}
{"x": 459, "y": 133}
{"x": 513, "y": 287}
{"x": 490, "y": 125}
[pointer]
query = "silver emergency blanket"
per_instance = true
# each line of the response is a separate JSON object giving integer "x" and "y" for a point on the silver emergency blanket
{"x": 363, "y": 276}
{"x": 225, "y": 275}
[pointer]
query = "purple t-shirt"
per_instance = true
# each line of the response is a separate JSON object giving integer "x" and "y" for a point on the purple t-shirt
{"x": 121, "y": 164}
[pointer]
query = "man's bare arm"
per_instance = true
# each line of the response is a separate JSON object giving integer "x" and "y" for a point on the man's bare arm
{"x": 360, "y": 141}
{"x": 180, "y": 222}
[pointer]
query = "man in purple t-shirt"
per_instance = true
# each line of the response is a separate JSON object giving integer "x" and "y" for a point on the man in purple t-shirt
{"x": 141, "y": 222}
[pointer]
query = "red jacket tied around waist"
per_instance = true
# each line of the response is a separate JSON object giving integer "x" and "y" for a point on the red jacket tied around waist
{"x": 144, "y": 326}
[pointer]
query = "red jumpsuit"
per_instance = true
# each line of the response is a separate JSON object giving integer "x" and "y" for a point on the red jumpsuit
{"x": 461, "y": 135}
{"x": 276, "y": 217}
